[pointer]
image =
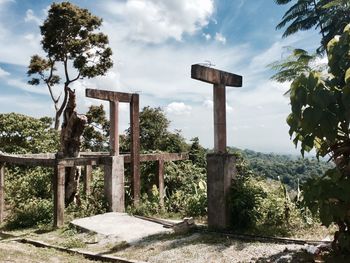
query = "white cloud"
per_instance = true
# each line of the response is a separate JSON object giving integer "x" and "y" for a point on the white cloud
{"x": 3, "y": 73}
{"x": 208, "y": 104}
{"x": 30, "y": 17}
{"x": 155, "y": 21}
{"x": 2, "y": 2}
{"x": 207, "y": 36}
{"x": 220, "y": 38}
{"x": 178, "y": 108}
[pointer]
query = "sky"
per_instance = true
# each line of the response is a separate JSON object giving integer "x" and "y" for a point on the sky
{"x": 154, "y": 44}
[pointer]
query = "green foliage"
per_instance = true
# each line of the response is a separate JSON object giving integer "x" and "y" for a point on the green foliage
{"x": 92, "y": 204}
{"x": 185, "y": 192}
{"x": 154, "y": 133}
{"x": 298, "y": 62}
{"x": 327, "y": 16}
{"x": 260, "y": 206}
{"x": 96, "y": 134}
{"x": 320, "y": 120}
{"x": 185, "y": 189}
{"x": 24, "y": 134}
{"x": 32, "y": 212}
{"x": 197, "y": 154}
{"x": 70, "y": 39}
{"x": 289, "y": 168}
{"x": 149, "y": 204}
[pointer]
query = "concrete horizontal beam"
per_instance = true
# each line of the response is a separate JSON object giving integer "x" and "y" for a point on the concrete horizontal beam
{"x": 87, "y": 158}
{"x": 215, "y": 76}
{"x": 166, "y": 157}
{"x": 108, "y": 95}
{"x": 28, "y": 159}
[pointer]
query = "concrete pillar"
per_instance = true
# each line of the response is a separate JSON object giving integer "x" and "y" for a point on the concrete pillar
{"x": 114, "y": 183}
{"x": 220, "y": 172}
{"x": 114, "y": 132}
{"x": 160, "y": 181}
{"x": 2, "y": 199}
{"x": 135, "y": 147}
{"x": 87, "y": 179}
{"x": 59, "y": 185}
{"x": 219, "y": 101}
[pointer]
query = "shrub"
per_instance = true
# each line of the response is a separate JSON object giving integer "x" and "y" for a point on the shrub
{"x": 31, "y": 213}
{"x": 261, "y": 206}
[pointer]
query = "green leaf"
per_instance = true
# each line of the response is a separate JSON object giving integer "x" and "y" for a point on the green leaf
{"x": 347, "y": 76}
{"x": 325, "y": 215}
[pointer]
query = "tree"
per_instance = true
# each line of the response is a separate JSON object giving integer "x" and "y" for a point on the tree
{"x": 293, "y": 66}
{"x": 320, "y": 120}
{"x": 154, "y": 134}
{"x": 329, "y": 17}
{"x": 70, "y": 40}
{"x": 197, "y": 153}
{"x": 96, "y": 134}
{"x": 23, "y": 134}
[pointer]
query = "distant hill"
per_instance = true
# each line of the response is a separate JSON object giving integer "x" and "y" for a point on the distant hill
{"x": 288, "y": 167}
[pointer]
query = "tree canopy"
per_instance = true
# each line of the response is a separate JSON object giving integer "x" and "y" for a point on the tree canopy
{"x": 24, "y": 134}
{"x": 71, "y": 40}
{"x": 329, "y": 17}
{"x": 320, "y": 120}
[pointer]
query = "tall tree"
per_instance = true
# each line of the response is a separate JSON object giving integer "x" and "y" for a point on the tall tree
{"x": 320, "y": 120}
{"x": 71, "y": 41}
{"x": 328, "y": 16}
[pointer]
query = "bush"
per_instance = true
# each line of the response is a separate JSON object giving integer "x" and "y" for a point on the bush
{"x": 261, "y": 206}
{"x": 31, "y": 213}
{"x": 93, "y": 204}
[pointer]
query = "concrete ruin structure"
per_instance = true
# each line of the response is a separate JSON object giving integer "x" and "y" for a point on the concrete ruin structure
{"x": 220, "y": 164}
{"x": 113, "y": 162}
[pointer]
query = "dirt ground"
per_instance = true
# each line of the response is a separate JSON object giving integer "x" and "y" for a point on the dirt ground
{"x": 194, "y": 247}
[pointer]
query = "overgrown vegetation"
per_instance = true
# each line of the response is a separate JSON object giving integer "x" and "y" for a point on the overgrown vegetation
{"x": 290, "y": 169}
{"x": 265, "y": 206}
{"x": 258, "y": 205}
{"x": 319, "y": 116}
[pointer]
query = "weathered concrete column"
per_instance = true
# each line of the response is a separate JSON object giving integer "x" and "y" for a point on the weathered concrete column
{"x": 219, "y": 102}
{"x": 59, "y": 184}
{"x": 135, "y": 146}
{"x": 160, "y": 181}
{"x": 87, "y": 179}
{"x": 220, "y": 173}
{"x": 2, "y": 197}
{"x": 114, "y": 133}
{"x": 220, "y": 164}
{"x": 114, "y": 183}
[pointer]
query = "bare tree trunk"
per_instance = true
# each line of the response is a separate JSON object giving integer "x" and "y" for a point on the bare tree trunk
{"x": 72, "y": 129}
{"x": 57, "y": 121}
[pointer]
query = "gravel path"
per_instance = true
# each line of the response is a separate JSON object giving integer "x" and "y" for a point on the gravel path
{"x": 198, "y": 247}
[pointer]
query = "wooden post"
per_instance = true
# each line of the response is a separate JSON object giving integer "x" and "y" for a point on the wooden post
{"x": 160, "y": 181}
{"x": 59, "y": 181}
{"x": 114, "y": 133}
{"x": 2, "y": 199}
{"x": 219, "y": 100}
{"x": 135, "y": 147}
{"x": 87, "y": 179}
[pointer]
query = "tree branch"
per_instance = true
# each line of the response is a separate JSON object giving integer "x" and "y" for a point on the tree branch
{"x": 66, "y": 71}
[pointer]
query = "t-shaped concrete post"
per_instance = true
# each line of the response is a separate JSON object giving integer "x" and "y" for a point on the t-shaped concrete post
{"x": 220, "y": 164}
{"x": 220, "y": 79}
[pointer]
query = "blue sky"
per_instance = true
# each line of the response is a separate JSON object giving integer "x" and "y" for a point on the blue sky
{"x": 154, "y": 44}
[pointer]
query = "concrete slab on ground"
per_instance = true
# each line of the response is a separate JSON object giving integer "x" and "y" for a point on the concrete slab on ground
{"x": 121, "y": 226}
